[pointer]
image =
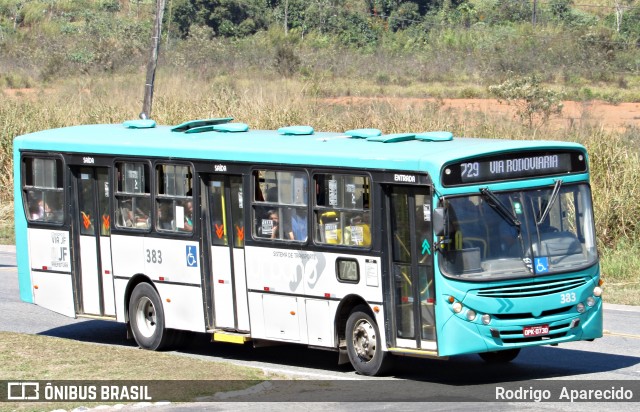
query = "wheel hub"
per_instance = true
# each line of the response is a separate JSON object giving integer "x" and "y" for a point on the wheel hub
{"x": 364, "y": 340}
{"x": 146, "y": 317}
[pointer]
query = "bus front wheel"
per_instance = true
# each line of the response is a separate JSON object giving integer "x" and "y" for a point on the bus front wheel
{"x": 146, "y": 316}
{"x": 501, "y": 356}
{"x": 363, "y": 343}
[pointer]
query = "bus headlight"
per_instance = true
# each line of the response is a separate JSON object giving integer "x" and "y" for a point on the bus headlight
{"x": 457, "y": 307}
{"x": 486, "y": 319}
{"x": 597, "y": 291}
{"x": 580, "y": 307}
{"x": 471, "y": 315}
{"x": 591, "y": 301}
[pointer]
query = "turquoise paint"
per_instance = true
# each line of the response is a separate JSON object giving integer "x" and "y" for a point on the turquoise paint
{"x": 200, "y": 123}
{"x": 296, "y": 130}
{"x": 392, "y": 138}
{"x": 363, "y": 133}
{"x": 140, "y": 124}
{"x": 22, "y": 249}
{"x": 260, "y": 146}
{"x": 435, "y": 136}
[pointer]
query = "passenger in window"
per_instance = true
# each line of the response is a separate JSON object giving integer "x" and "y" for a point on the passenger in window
{"x": 298, "y": 226}
{"x": 188, "y": 216}
{"x": 165, "y": 216}
{"x": 142, "y": 216}
{"x": 269, "y": 225}
{"x": 36, "y": 208}
{"x": 126, "y": 215}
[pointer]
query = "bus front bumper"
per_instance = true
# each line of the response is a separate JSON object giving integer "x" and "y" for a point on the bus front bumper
{"x": 459, "y": 336}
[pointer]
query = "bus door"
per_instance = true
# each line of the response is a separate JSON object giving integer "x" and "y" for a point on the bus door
{"x": 412, "y": 315}
{"x": 94, "y": 279}
{"x": 224, "y": 236}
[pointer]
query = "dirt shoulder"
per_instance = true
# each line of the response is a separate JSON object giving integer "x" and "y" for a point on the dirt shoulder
{"x": 596, "y": 113}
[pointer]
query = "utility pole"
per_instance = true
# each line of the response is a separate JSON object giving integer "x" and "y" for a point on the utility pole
{"x": 153, "y": 61}
{"x": 534, "y": 17}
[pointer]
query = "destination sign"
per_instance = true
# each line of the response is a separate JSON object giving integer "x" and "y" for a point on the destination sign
{"x": 513, "y": 166}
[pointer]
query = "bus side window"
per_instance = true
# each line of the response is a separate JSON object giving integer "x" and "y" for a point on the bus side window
{"x": 174, "y": 198}
{"x": 43, "y": 192}
{"x": 280, "y": 205}
{"x": 342, "y": 214}
{"x": 133, "y": 196}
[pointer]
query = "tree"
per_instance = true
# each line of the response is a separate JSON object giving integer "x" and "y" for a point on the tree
{"x": 228, "y": 18}
{"x": 406, "y": 15}
{"x": 534, "y": 104}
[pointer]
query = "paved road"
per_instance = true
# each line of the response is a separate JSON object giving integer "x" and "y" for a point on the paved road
{"x": 615, "y": 357}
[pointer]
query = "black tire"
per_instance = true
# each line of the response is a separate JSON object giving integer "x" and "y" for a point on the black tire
{"x": 363, "y": 343}
{"x": 146, "y": 316}
{"x": 501, "y": 356}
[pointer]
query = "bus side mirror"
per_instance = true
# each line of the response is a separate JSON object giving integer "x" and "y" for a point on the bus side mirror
{"x": 440, "y": 221}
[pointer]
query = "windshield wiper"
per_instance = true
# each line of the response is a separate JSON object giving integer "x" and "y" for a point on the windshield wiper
{"x": 552, "y": 200}
{"x": 499, "y": 207}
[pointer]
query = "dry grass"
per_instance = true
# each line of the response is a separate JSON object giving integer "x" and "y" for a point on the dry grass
{"x": 29, "y": 357}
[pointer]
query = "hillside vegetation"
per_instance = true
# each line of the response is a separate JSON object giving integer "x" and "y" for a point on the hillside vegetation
{"x": 275, "y": 63}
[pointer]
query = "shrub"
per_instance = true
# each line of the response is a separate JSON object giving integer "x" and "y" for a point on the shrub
{"x": 534, "y": 104}
{"x": 286, "y": 61}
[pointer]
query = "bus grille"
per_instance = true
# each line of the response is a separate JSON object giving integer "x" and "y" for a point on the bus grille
{"x": 517, "y": 316}
{"x": 531, "y": 290}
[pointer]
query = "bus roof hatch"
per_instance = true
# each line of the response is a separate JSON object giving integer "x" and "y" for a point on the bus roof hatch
{"x": 191, "y": 124}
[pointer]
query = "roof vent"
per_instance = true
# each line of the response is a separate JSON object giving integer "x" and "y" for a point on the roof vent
{"x": 296, "y": 130}
{"x": 192, "y": 124}
{"x": 140, "y": 124}
{"x": 224, "y": 128}
{"x": 363, "y": 133}
{"x": 435, "y": 136}
{"x": 392, "y": 138}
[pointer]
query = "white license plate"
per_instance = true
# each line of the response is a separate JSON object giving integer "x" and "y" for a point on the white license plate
{"x": 535, "y": 330}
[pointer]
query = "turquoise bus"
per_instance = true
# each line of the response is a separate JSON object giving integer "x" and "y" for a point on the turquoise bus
{"x": 368, "y": 244}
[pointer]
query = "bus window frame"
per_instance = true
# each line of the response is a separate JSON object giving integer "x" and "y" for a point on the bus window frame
{"x": 115, "y": 193}
{"x": 155, "y": 196}
{"x": 253, "y": 174}
{"x": 63, "y": 189}
{"x": 315, "y": 208}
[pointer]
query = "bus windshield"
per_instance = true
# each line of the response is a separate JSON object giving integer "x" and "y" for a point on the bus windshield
{"x": 520, "y": 233}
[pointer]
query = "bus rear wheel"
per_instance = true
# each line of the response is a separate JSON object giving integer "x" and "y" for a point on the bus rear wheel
{"x": 146, "y": 316}
{"x": 363, "y": 343}
{"x": 501, "y": 356}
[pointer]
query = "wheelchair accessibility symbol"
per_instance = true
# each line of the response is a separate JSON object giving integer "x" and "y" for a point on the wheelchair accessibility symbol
{"x": 541, "y": 264}
{"x": 192, "y": 257}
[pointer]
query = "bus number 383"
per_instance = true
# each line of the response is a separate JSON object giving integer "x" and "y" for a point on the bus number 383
{"x": 154, "y": 256}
